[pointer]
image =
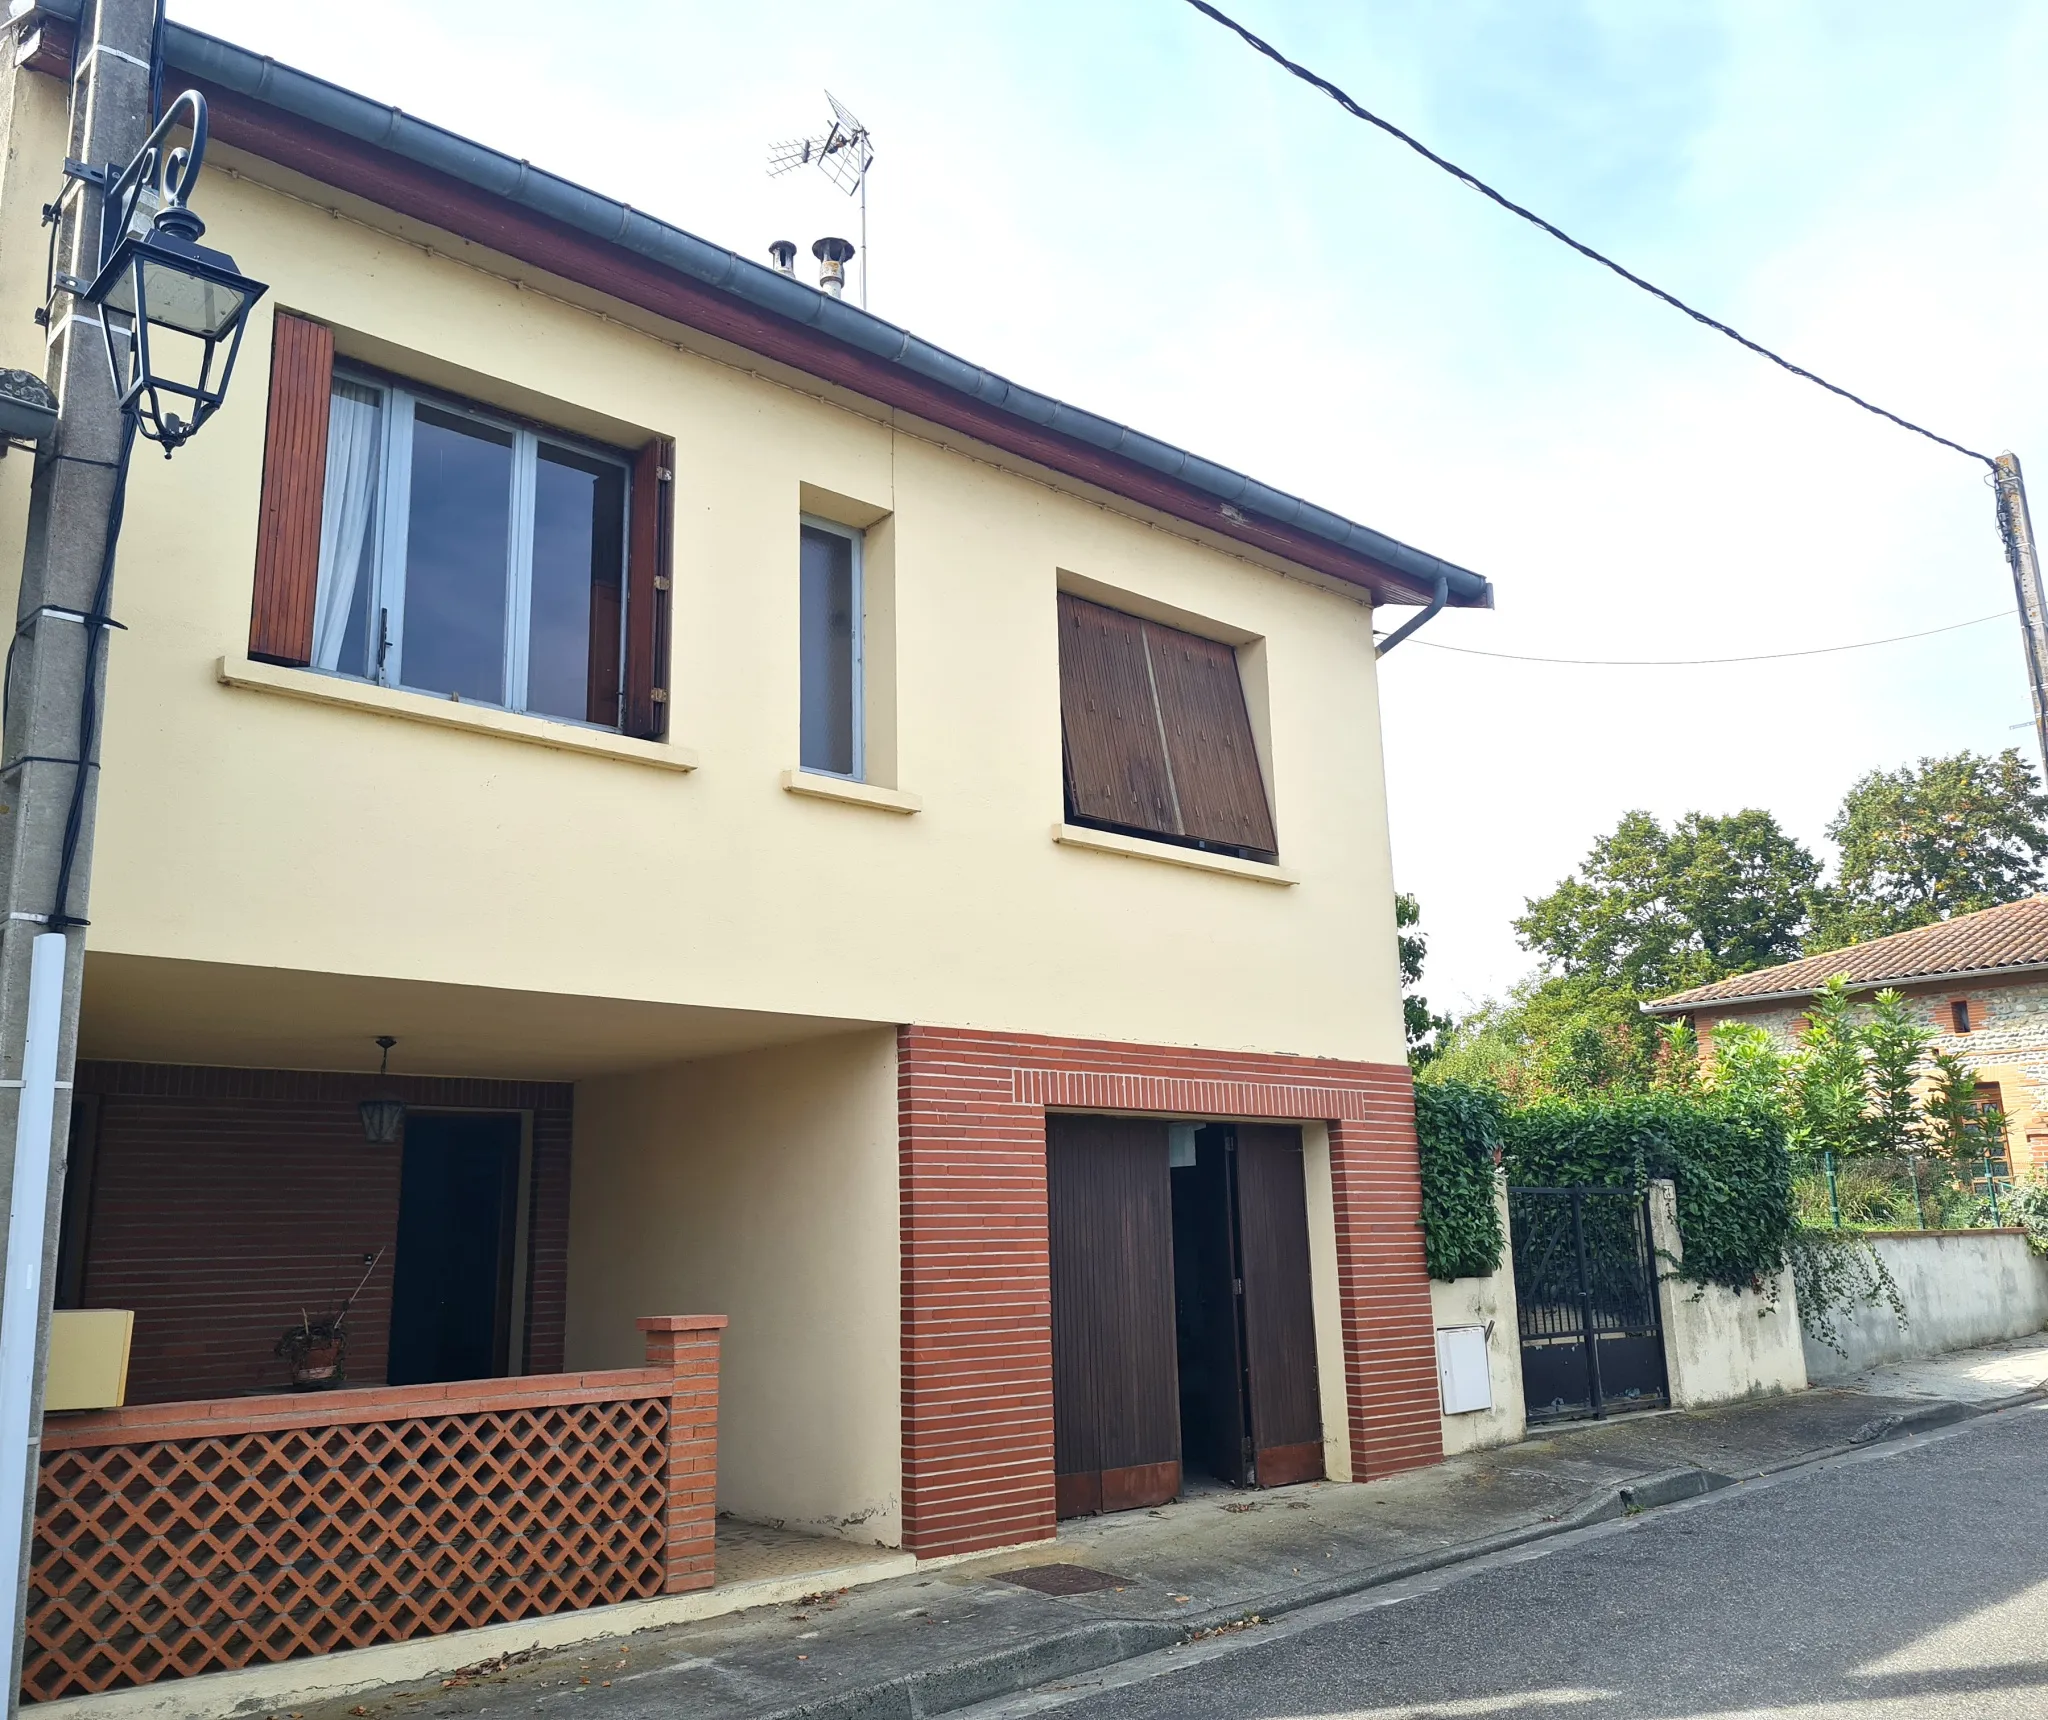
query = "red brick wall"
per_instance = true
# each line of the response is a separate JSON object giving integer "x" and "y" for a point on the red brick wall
{"x": 977, "y": 1345}
{"x": 224, "y": 1201}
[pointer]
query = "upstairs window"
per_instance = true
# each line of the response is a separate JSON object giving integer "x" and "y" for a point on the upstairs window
{"x": 830, "y": 650}
{"x": 1157, "y": 738}
{"x": 1959, "y": 1015}
{"x": 464, "y": 555}
{"x": 428, "y": 544}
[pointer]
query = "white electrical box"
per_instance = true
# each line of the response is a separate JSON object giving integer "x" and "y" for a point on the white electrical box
{"x": 1461, "y": 1371}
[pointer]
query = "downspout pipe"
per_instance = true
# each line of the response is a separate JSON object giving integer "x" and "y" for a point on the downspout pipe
{"x": 1438, "y": 599}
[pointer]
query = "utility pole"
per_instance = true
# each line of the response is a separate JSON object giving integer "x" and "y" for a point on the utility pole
{"x": 2016, "y": 527}
{"x": 54, "y": 698}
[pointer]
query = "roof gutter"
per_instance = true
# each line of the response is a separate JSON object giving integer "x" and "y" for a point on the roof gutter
{"x": 195, "y": 54}
{"x": 1415, "y": 622}
{"x": 1671, "y": 1006}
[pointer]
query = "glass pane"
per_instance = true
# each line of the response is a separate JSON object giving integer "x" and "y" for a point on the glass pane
{"x": 572, "y": 659}
{"x": 828, "y": 666}
{"x": 348, "y": 535}
{"x": 189, "y": 303}
{"x": 456, "y": 551}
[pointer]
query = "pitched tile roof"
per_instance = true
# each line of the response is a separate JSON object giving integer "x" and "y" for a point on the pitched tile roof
{"x": 2014, "y": 935}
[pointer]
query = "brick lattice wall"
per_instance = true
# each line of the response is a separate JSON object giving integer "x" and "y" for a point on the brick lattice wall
{"x": 226, "y": 1200}
{"x": 977, "y": 1348}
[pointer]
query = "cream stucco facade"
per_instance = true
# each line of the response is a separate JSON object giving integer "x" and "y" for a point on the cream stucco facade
{"x": 381, "y": 851}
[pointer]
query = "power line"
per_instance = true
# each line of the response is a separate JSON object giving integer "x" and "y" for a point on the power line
{"x": 1558, "y": 233}
{"x": 1709, "y": 662}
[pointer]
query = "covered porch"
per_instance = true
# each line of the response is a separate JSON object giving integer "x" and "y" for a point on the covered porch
{"x": 522, "y": 1300}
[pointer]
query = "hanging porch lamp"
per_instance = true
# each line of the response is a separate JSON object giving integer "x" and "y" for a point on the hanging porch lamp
{"x": 383, "y": 1117}
{"x": 172, "y": 310}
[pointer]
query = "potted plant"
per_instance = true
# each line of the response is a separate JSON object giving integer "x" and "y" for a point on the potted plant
{"x": 316, "y": 1351}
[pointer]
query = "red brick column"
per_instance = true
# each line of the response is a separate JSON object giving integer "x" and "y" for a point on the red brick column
{"x": 687, "y": 1345}
{"x": 977, "y": 1305}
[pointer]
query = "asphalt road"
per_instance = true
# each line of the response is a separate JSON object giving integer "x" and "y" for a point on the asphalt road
{"x": 1905, "y": 1581}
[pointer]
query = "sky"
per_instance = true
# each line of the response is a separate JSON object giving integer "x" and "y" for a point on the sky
{"x": 1122, "y": 206}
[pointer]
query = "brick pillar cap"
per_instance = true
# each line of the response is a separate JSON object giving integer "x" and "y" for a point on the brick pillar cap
{"x": 680, "y": 1322}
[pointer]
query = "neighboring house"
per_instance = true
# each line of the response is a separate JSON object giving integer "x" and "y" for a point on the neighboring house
{"x": 1979, "y": 982}
{"x": 841, "y": 842}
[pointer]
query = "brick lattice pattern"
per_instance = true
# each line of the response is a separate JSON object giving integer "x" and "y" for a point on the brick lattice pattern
{"x": 977, "y": 1346}
{"x": 188, "y": 1538}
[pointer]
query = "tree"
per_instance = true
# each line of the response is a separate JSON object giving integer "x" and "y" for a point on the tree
{"x": 1656, "y": 910}
{"x": 1922, "y": 844}
{"x": 1425, "y": 1031}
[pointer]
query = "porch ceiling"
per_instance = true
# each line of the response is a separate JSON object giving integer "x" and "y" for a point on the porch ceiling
{"x": 143, "y": 1009}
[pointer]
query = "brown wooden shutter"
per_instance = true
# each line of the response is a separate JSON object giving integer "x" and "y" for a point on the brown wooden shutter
{"x": 1216, "y": 782}
{"x": 1115, "y": 763}
{"x": 1157, "y": 735}
{"x": 294, "y": 476}
{"x": 649, "y": 531}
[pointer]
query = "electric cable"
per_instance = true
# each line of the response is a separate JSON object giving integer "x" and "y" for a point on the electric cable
{"x": 1479, "y": 185}
{"x": 1712, "y": 662}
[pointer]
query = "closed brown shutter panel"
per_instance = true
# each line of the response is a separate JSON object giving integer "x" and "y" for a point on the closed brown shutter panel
{"x": 294, "y": 475}
{"x": 649, "y": 532}
{"x": 1116, "y": 765}
{"x": 1157, "y": 735}
{"x": 1279, "y": 1305}
{"x": 1216, "y": 778}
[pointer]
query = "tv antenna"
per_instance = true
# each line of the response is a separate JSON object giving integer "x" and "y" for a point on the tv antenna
{"x": 843, "y": 153}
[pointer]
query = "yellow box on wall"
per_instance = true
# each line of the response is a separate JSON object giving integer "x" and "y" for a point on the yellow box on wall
{"x": 88, "y": 1358}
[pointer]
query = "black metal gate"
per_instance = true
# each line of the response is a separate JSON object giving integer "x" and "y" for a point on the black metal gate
{"x": 1586, "y": 1283}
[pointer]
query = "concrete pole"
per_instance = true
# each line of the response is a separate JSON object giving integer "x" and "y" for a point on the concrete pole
{"x": 72, "y": 493}
{"x": 2017, "y": 528}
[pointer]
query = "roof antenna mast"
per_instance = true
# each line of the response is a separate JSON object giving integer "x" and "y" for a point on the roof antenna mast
{"x": 843, "y": 153}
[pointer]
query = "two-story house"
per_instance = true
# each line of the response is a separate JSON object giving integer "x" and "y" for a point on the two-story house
{"x": 837, "y": 840}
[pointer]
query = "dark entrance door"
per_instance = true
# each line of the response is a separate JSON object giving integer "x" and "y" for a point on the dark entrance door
{"x": 451, "y": 1294}
{"x": 1586, "y": 1286}
{"x": 1115, "y": 1413}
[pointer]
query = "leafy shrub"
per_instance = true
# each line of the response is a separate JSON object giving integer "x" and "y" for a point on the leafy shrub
{"x": 1726, "y": 1157}
{"x": 1458, "y": 1128}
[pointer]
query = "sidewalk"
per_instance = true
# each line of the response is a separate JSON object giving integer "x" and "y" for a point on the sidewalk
{"x": 1114, "y": 1587}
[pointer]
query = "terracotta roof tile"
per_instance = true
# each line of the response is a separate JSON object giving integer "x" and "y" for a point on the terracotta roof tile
{"x": 2014, "y": 935}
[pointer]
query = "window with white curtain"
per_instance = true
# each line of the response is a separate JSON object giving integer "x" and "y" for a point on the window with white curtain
{"x": 471, "y": 556}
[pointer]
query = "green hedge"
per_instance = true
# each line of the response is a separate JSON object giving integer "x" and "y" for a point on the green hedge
{"x": 1728, "y": 1161}
{"x": 1458, "y": 1128}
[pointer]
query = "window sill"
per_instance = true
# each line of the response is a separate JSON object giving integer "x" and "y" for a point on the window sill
{"x": 318, "y": 689}
{"x": 847, "y": 793}
{"x": 1170, "y": 854}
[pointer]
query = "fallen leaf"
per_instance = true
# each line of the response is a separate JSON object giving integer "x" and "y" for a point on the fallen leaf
{"x": 1183, "y": 1599}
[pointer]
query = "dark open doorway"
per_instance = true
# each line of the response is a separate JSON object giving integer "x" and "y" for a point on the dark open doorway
{"x": 451, "y": 1296}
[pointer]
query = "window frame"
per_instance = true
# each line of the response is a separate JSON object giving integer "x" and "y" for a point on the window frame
{"x": 857, "y": 678}
{"x": 1961, "y": 1018}
{"x": 390, "y": 531}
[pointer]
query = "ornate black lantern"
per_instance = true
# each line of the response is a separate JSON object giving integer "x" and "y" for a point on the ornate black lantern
{"x": 171, "y": 309}
{"x": 383, "y": 1116}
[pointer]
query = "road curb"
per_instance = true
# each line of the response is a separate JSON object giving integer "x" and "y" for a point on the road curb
{"x": 1090, "y": 1647}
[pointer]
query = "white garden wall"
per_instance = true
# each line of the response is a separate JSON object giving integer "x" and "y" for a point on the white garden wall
{"x": 1720, "y": 1345}
{"x": 1961, "y": 1288}
{"x": 1487, "y": 1303}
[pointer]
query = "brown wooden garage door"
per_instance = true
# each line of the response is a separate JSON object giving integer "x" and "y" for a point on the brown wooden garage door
{"x": 1115, "y": 1396}
{"x": 1279, "y": 1307}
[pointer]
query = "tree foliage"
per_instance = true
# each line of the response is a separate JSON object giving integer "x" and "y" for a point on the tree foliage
{"x": 1425, "y": 1031}
{"x": 1657, "y": 910}
{"x": 1921, "y": 844}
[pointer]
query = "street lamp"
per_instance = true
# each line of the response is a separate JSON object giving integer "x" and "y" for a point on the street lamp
{"x": 171, "y": 310}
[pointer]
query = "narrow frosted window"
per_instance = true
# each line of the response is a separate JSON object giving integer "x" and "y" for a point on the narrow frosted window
{"x": 831, "y": 652}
